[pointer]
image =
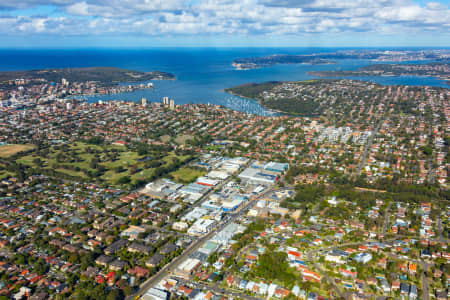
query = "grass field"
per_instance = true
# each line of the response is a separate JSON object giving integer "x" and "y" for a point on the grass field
{"x": 9, "y": 150}
{"x": 187, "y": 175}
{"x": 104, "y": 163}
{"x": 183, "y": 138}
{"x": 5, "y": 174}
{"x": 165, "y": 138}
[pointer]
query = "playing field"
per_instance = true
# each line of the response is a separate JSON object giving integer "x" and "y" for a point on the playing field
{"x": 183, "y": 138}
{"x": 10, "y": 150}
{"x": 187, "y": 175}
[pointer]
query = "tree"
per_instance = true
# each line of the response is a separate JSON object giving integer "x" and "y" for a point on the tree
{"x": 73, "y": 258}
{"x": 99, "y": 292}
{"x": 127, "y": 290}
{"x": 114, "y": 294}
{"x": 212, "y": 258}
{"x": 21, "y": 259}
{"x": 72, "y": 279}
{"x": 40, "y": 267}
{"x": 123, "y": 180}
{"x": 87, "y": 260}
{"x": 273, "y": 265}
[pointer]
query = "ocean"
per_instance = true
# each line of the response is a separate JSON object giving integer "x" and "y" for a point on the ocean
{"x": 202, "y": 73}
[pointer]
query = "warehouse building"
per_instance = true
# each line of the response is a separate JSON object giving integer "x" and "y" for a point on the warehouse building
{"x": 188, "y": 267}
{"x": 258, "y": 177}
{"x": 201, "y": 226}
{"x": 207, "y": 182}
{"x": 271, "y": 166}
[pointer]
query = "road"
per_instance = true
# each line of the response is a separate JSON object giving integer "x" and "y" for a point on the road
{"x": 425, "y": 286}
{"x": 190, "y": 250}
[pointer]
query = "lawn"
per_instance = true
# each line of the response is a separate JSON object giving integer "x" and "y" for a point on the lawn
{"x": 187, "y": 175}
{"x": 183, "y": 138}
{"x": 5, "y": 174}
{"x": 165, "y": 138}
{"x": 10, "y": 150}
{"x": 106, "y": 163}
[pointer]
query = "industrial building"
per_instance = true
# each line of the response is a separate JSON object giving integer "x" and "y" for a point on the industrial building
{"x": 194, "y": 191}
{"x": 271, "y": 166}
{"x": 201, "y": 226}
{"x": 258, "y": 177}
{"x": 156, "y": 294}
{"x": 187, "y": 267}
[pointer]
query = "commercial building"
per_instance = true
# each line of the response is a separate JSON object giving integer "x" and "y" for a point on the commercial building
{"x": 226, "y": 234}
{"x": 201, "y": 226}
{"x": 207, "y": 182}
{"x": 218, "y": 175}
{"x": 363, "y": 257}
{"x": 271, "y": 166}
{"x": 228, "y": 206}
{"x": 195, "y": 214}
{"x": 187, "y": 267}
{"x": 156, "y": 294}
{"x": 194, "y": 191}
{"x": 209, "y": 247}
{"x": 257, "y": 177}
{"x": 179, "y": 226}
{"x": 161, "y": 188}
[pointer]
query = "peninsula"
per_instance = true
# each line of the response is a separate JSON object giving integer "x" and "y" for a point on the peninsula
{"x": 329, "y": 57}
{"x": 25, "y": 87}
{"x": 330, "y": 98}
{"x": 267, "y": 61}
{"x": 438, "y": 70}
{"x": 103, "y": 75}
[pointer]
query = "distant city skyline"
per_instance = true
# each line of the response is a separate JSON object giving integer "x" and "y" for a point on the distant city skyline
{"x": 221, "y": 23}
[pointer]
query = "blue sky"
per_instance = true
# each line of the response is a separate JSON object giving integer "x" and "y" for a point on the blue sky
{"x": 217, "y": 23}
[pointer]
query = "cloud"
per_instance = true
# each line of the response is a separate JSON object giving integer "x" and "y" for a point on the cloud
{"x": 24, "y": 4}
{"x": 79, "y": 9}
{"x": 223, "y": 17}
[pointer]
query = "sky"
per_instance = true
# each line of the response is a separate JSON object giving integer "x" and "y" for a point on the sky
{"x": 224, "y": 23}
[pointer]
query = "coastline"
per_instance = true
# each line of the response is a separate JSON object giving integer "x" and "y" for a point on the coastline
{"x": 341, "y": 74}
{"x": 238, "y": 66}
{"x": 257, "y": 100}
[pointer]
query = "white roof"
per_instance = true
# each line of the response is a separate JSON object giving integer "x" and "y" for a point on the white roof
{"x": 155, "y": 294}
{"x": 189, "y": 264}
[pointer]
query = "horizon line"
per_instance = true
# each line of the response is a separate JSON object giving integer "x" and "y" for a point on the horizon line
{"x": 218, "y": 47}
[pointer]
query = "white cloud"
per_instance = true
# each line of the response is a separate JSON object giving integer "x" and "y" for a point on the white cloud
{"x": 79, "y": 9}
{"x": 244, "y": 17}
